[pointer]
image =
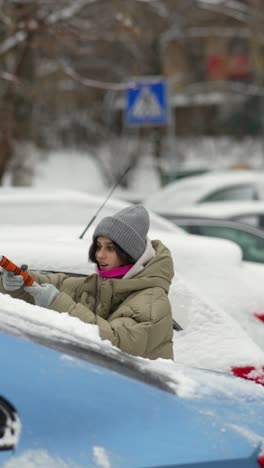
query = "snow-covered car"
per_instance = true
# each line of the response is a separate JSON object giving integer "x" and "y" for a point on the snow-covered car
{"x": 210, "y": 187}
{"x": 71, "y": 210}
{"x": 249, "y": 238}
{"x": 214, "y": 297}
{"x": 249, "y": 212}
{"x": 67, "y": 399}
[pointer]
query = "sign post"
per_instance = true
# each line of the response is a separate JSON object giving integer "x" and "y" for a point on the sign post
{"x": 147, "y": 102}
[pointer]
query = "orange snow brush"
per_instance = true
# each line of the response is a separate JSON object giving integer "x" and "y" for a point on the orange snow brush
{"x": 10, "y": 266}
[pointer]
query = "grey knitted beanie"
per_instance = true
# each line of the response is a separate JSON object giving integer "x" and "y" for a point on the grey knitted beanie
{"x": 128, "y": 228}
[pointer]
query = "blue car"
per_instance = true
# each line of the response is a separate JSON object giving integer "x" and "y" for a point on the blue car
{"x": 66, "y": 405}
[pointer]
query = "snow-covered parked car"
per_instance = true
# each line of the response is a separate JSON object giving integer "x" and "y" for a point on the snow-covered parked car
{"x": 249, "y": 238}
{"x": 69, "y": 210}
{"x": 210, "y": 187}
{"x": 213, "y": 296}
{"x": 68, "y": 399}
{"x": 240, "y": 221}
{"x": 245, "y": 211}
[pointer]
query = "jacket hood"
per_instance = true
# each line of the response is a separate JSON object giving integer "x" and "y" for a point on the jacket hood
{"x": 157, "y": 272}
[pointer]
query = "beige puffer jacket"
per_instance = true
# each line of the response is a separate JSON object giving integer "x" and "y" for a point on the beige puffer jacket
{"x": 134, "y": 313}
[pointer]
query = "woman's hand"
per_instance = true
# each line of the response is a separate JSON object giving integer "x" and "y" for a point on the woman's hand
{"x": 43, "y": 294}
{"x": 12, "y": 282}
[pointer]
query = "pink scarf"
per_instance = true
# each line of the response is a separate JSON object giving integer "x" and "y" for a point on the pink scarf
{"x": 114, "y": 272}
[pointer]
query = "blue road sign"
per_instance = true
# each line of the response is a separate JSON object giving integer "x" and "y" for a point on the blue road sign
{"x": 147, "y": 102}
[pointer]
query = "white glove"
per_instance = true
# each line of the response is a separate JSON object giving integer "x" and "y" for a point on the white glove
{"x": 43, "y": 294}
{"x": 12, "y": 282}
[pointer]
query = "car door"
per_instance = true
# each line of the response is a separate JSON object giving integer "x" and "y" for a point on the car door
{"x": 250, "y": 240}
{"x": 251, "y": 245}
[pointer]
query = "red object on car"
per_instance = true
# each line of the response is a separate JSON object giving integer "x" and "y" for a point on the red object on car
{"x": 259, "y": 315}
{"x": 261, "y": 461}
{"x": 256, "y": 374}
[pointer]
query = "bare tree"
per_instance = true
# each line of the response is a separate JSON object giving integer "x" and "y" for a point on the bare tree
{"x": 44, "y": 45}
{"x": 59, "y": 63}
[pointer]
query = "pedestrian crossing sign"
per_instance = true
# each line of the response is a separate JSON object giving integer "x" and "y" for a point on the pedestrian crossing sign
{"x": 146, "y": 102}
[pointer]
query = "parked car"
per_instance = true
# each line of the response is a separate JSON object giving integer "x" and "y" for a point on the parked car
{"x": 249, "y": 238}
{"x": 33, "y": 207}
{"x": 249, "y": 212}
{"x": 211, "y": 187}
{"x": 70, "y": 400}
{"x": 214, "y": 297}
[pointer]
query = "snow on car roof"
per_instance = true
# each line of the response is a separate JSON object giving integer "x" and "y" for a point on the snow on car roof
{"x": 26, "y": 206}
{"x": 22, "y": 194}
{"x": 71, "y": 254}
{"x": 221, "y": 209}
{"x": 191, "y": 189}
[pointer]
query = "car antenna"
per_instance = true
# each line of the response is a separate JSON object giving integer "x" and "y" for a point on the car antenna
{"x": 106, "y": 199}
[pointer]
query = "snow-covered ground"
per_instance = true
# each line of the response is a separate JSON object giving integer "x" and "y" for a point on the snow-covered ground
{"x": 73, "y": 169}
{"x": 69, "y": 170}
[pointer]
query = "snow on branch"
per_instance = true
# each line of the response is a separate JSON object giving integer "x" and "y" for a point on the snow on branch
{"x": 100, "y": 84}
{"x": 12, "y": 42}
{"x": 231, "y": 8}
{"x": 21, "y": 87}
{"x": 4, "y": 18}
{"x": 234, "y": 4}
{"x": 9, "y": 77}
{"x": 53, "y": 18}
{"x": 95, "y": 83}
{"x": 68, "y": 12}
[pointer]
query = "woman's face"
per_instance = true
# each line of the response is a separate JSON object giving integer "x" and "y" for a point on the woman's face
{"x": 106, "y": 254}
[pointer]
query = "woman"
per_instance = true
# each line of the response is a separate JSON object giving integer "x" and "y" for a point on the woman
{"x": 127, "y": 297}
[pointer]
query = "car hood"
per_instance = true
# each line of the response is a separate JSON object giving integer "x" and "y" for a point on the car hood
{"x": 75, "y": 413}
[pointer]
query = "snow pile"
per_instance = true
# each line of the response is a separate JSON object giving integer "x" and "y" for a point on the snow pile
{"x": 69, "y": 170}
{"x": 211, "y": 338}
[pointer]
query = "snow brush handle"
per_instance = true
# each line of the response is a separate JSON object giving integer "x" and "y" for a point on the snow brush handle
{"x": 10, "y": 266}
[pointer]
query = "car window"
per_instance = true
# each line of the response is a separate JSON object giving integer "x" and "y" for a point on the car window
{"x": 252, "y": 246}
{"x": 239, "y": 192}
{"x": 253, "y": 219}
{"x": 256, "y": 219}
